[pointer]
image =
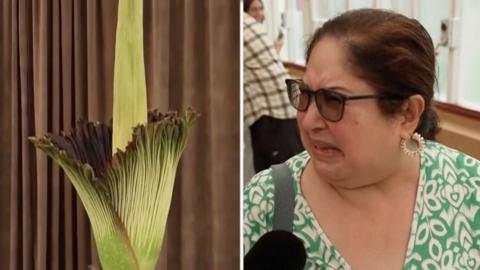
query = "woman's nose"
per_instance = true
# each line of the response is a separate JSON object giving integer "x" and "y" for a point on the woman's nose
{"x": 311, "y": 118}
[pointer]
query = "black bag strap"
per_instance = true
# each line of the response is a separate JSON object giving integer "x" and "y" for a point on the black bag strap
{"x": 284, "y": 198}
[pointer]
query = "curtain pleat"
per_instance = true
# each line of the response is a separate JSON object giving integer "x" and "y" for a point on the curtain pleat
{"x": 57, "y": 61}
{"x": 5, "y": 127}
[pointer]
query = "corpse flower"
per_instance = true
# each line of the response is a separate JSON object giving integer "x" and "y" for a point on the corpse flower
{"x": 124, "y": 176}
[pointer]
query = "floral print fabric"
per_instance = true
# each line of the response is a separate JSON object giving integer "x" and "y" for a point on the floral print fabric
{"x": 444, "y": 234}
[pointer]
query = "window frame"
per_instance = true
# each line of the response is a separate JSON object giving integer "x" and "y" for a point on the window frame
{"x": 452, "y": 103}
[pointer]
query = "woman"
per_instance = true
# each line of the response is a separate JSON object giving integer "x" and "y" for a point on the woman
{"x": 270, "y": 119}
{"x": 369, "y": 192}
{"x": 255, "y": 9}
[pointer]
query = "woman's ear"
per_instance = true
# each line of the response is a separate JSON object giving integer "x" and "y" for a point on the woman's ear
{"x": 412, "y": 109}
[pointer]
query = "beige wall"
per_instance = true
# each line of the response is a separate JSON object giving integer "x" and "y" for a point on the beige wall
{"x": 460, "y": 132}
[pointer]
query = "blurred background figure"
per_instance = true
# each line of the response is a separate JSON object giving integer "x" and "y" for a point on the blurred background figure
{"x": 255, "y": 9}
{"x": 267, "y": 113}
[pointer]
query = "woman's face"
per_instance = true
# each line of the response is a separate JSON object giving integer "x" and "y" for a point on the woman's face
{"x": 364, "y": 144}
{"x": 256, "y": 10}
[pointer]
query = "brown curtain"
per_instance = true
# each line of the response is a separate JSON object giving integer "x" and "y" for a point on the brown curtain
{"x": 57, "y": 67}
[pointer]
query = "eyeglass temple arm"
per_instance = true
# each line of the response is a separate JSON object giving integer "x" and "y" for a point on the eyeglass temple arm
{"x": 372, "y": 96}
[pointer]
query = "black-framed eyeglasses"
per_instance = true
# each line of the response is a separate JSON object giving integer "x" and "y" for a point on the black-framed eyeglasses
{"x": 330, "y": 104}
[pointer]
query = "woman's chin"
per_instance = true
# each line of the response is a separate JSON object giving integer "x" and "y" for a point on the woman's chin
{"x": 327, "y": 162}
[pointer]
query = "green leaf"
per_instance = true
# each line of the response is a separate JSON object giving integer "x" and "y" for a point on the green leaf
{"x": 141, "y": 183}
{"x": 113, "y": 245}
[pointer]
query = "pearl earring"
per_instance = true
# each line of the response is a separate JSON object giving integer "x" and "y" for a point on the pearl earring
{"x": 416, "y": 144}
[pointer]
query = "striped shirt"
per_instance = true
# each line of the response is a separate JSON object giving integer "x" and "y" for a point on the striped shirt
{"x": 263, "y": 76}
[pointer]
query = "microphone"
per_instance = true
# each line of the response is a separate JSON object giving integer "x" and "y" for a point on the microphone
{"x": 276, "y": 250}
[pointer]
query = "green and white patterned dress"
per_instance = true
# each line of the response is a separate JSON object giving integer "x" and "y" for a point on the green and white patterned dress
{"x": 445, "y": 232}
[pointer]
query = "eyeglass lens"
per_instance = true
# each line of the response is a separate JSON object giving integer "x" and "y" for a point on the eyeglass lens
{"x": 329, "y": 104}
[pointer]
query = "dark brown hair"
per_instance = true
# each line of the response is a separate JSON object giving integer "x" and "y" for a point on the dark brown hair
{"x": 391, "y": 52}
{"x": 247, "y": 3}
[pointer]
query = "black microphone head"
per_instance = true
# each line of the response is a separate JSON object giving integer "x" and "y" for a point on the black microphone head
{"x": 276, "y": 250}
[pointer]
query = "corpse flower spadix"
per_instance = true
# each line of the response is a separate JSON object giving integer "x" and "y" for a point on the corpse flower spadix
{"x": 126, "y": 192}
